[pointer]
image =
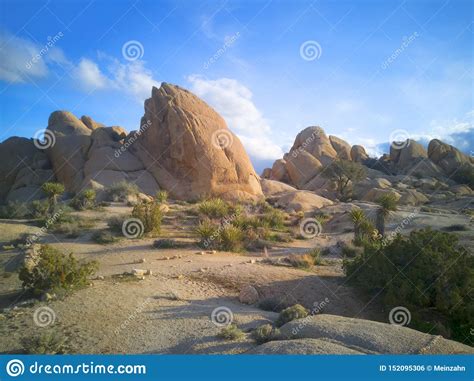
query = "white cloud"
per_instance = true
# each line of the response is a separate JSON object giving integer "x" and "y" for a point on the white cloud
{"x": 89, "y": 75}
{"x": 234, "y": 102}
{"x": 17, "y": 54}
{"x": 131, "y": 78}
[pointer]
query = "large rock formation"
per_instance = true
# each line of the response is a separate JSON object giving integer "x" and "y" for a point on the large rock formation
{"x": 405, "y": 154}
{"x": 183, "y": 146}
{"x": 189, "y": 150}
{"x": 23, "y": 170}
{"x": 68, "y": 153}
{"x": 447, "y": 157}
{"x": 331, "y": 334}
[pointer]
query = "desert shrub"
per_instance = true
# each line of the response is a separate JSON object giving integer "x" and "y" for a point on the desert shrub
{"x": 274, "y": 218}
{"x": 273, "y": 304}
{"x": 84, "y": 200}
{"x": 245, "y": 222}
{"x": 162, "y": 197}
{"x": 231, "y": 332}
{"x": 56, "y": 271}
{"x": 208, "y": 234}
{"x": 456, "y": 227}
{"x": 39, "y": 209}
{"x": 265, "y": 333}
{"x": 351, "y": 250}
{"x": 115, "y": 223}
{"x": 301, "y": 261}
{"x": 231, "y": 238}
{"x": 166, "y": 243}
{"x": 69, "y": 229}
{"x": 345, "y": 174}
{"x": 15, "y": 210}
{"x": 291, "y": 313}
{"x": 214, "y": 208}
{"x": 46, "y": 343}
{"x": 315, "y": 254}
{"x": 104, "y": 237}
{"x": 122, "y": 190}
{"x": 150, "y": 214}
{"x": 427, "y": 271}
{"x": 52, "y": 191}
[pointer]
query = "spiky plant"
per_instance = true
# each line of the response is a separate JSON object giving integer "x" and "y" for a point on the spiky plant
{"x": 387, "y": 205}
{"x": 357, "y": 217}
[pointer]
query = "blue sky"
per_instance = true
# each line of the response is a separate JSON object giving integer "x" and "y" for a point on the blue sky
{"x": 363, "y": 70}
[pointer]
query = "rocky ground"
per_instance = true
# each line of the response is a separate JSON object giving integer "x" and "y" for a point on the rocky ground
{"x": 169, "y": 311}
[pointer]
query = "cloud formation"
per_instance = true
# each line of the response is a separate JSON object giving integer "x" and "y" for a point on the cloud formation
{"x": 234, "y": 102}
{"x": 24, "y": 60}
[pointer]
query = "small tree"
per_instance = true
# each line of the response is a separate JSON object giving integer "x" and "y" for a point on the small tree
{"x": 53, "y": 191}
{"x": 387, "y": 205}
{"x": 345, "y": 173}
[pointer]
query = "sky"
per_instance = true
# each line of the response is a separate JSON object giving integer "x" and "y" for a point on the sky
{"x": 367, "y": 71}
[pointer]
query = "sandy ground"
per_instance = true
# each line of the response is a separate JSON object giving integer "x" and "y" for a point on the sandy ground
{"x": 170, "y": 310}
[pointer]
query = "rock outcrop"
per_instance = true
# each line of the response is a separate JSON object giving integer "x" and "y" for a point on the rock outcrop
{"x": 447, "y": 157}
{"x": 23, "y": 170}
{"x": 331, "y": 334}
{"x": 183, "y": 146}
{"x": 405, "y": 154}
{"x": 189, "y": 150}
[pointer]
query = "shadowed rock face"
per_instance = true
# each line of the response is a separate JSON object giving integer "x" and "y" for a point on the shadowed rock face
{"x": 180, "y": 145}
{"x": 23, "y": 170}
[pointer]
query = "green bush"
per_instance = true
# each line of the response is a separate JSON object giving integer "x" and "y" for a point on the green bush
{"x": 115, "y": 223}
{"x": 122, "y": 190}
{"x": 315, "y": 254}
{"x": 150, "y": 214}
{"x": 52, "y": 191}
{"x": 265, "y": 333}
{"x": 84, "y": 200}
{"x": 428, "y": 272}
{"x": 231, "y": 332}
{"x": 15, "y": 210}
{"x": 46, "y": 343}
{"x": 39, "y": 209}
{"x": 56, "y": 271}
{"x": 104, "y": 237}
{"x": 167, "y": 243}
{"x": 208, "y": 234}
{"x": 301, "y": 261}
{"x": 231, "y": 238}
{"x": 214, "y": 208}
{"x": 274, "y": 218}
{"x": 162, "y": 197}
{"x": 291, "y": 313}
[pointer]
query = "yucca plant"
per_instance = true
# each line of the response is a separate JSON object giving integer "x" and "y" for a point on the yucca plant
{"x": 387, "y": 205}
